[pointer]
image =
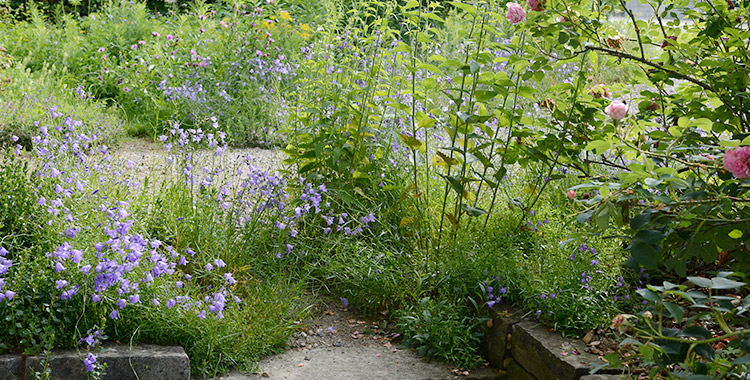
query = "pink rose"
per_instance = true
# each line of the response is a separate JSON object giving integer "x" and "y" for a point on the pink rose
{"x": 737, "y": 161}
{"x": 571, "y": 194}
{"x": 515, "y": 13}
{"x": 616, "y": 110}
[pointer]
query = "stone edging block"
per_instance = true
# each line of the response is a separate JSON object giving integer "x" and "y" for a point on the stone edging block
{"x": 528, "y": 350}
{"x": 547, "y": 355}
{"x": 10, "y": 367}
{"x": 123, "y": 363}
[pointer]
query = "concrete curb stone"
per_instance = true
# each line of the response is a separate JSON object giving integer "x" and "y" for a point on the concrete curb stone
{"x": 123, "y": 363}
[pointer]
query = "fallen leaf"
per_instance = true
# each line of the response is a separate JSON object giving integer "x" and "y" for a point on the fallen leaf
{"x": 265, "y": 374}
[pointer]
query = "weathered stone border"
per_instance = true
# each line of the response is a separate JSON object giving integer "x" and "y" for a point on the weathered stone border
{"x": 523, "y": 349}
{"x": 123, "y": 362}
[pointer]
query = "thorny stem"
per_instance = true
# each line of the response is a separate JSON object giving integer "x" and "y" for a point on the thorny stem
{"x": 635, "y": 26}
{"x": 619, "y": 54}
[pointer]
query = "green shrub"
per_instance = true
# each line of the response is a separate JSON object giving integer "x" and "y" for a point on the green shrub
{"x": 443, "y": 331}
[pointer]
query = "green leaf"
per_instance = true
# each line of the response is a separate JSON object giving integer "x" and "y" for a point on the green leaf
{"x": 649, "y": 236}
{"x": 725, "y": 283}
{"x": 613, "y": 359}
{"x": 645, "y": 254}
{"x": 411, "y": 141}
{"x": 704, "y": 350}
{"x": 474, "y": 67}
{"x": 584, "y": 216}
{"x": 455, "y": 183}
{"x": 602, "y": 216}
{"x": 674, "y": 310}
{"x": 604, "y": 191}
{"x": 465, "y": 7}
{"x": 598, "y": 146}
{"x": 473, "y": 211}
{"x": 701, "y": 282}
{"x": 649, "y": 295}
{"x": 484, "y": 95}
{"x": 697, "y": 332}
{"x": 429, "y": 83}
{"x": 411, "y": 4}
{"x": 735, "y": 234}
{"x": 640, "y": 220}
{"x": 646, "y": 351}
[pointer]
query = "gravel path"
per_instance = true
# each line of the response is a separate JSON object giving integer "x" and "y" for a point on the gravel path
{"x": 147, "y": 156}
{"x": 339, "y": 344}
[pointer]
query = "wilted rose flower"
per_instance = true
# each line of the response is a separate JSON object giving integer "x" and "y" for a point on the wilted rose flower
{"x": 567, "y": 16}
{"x": 536, "y": 5}
{"x": 515, "y": 13}
{"x": 616, "y": 110}
{"x": 667, "y": 41}
{"x": 600, "y": 91}
{"x": 654, "y": 106}
{"x": 548, "y": 104}
{"x": 737, "y": 161}
{"x": 615, "y": 42}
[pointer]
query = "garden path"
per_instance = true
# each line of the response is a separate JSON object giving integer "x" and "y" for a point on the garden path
{"x": 150, "y": 159}
{"x": 339, "y": 344}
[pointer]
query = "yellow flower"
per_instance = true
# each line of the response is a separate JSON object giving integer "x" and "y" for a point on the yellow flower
{"x": 285, "y": 16}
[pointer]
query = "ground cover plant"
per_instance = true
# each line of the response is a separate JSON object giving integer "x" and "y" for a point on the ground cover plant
{"x": 441, "y": 158}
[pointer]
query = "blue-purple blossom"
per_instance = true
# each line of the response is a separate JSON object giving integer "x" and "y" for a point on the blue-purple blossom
{"x": 90, "y": 361}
